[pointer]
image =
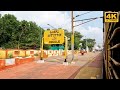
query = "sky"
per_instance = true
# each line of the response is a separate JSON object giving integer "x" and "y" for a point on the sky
{"x": 62, "y": 19}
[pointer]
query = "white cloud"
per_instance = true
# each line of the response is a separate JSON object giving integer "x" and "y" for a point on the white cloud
{"x": 57, "y": 19}
{"x": 92, "y": 32}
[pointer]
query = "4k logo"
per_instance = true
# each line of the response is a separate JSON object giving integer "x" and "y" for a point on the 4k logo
{"x": 111, "y": 17}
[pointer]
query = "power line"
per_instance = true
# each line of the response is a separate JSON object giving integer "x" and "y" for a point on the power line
{"x": 51, "y": 26}
{"x": 85, "y": 22}
{"x": 68, "y": 20}
{"x": 82, "y": 19}
{"x": 82, "y": 14}
{"x": 87, "y": 19}
{"x": 78, "y": 16}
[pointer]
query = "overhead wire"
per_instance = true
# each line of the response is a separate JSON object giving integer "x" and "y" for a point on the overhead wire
{"x": 82, "y": 14}
{"x": 78, "y": 16}
{"x": 90, "y": 19}
{"x": 87, "y": 21}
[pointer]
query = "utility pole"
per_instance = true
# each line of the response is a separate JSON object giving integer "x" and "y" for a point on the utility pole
{"x": 72, "y": 36}
{"x": 41, "y": 38}
{"x": 86, "y": 44}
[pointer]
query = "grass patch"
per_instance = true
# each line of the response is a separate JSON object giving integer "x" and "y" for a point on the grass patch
{"x": 75, "y": 60}
{"x": 54, "y": 60}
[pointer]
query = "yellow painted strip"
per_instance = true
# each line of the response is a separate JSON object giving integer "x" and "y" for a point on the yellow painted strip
{"x": 72, "y": 39}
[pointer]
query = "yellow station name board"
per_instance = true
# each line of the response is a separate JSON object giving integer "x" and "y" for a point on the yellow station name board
{"x": 54, "y": 36}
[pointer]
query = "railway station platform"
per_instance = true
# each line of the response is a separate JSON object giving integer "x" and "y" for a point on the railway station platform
{"x": 88, "y": 66}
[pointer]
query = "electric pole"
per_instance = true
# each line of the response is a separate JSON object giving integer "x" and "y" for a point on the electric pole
{"x": 86, "y": 44}
{"x": 40, "y": 38}
{"x": 72, "y": 36}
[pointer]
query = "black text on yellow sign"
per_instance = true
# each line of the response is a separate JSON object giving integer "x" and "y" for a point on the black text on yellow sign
{"x": 111, "y": 17}
{"x": 54, "y": 37}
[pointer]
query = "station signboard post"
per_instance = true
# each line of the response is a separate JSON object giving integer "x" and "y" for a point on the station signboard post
{"x": 54, "y": 37}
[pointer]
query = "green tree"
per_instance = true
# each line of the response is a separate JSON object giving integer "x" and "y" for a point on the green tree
{"x": 68, "y": 34}
{"x": 8, "y": 30}
{"x": 30, "y": 35}
{"x": 98, "y": 46}
{"x": 27, "y": 35}
{"x": 77, "y": 40}
{"x": 90, "y": 43}
{"x": 19, "y": 34}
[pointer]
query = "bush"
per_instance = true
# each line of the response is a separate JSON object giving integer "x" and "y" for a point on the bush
{"x": 27, "y": 55}
{"x": 36, "y": 54}
{"x": 10, "y": 55}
